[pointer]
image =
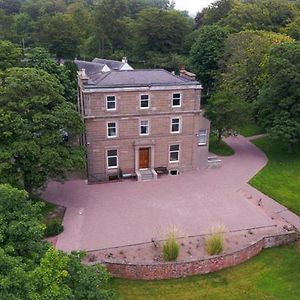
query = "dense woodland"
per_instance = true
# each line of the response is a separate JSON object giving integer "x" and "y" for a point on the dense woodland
{"x": 246, "y": 54}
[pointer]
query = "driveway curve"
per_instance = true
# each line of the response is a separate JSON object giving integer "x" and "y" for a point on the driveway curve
{"x": 124, "y": 213}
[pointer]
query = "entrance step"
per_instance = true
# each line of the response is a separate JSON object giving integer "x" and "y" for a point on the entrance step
{"x": 147, "y": 174}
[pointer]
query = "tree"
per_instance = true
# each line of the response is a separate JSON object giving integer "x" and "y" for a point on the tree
{"x": 292, "y": 29}
{"x": 9, "y": 55}
{"x": 161, "y": 31}
{"x": 206, "y": 53}
{"x": 41, "y": 59}
{"x": 226, "y": 112}
{"x": 244, "y": 54}
{"x": 58, "y": 34}
{"x": 267, "y": 15}
{"x": 34, "y": 119}
{"x": 21, "y": 229}
{"x": 278, "y": 102}
{"x": 214, "y": 12}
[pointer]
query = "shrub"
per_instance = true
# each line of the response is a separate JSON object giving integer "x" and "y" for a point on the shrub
{"x": 214, "y": 244}
{"x": 171, "y": 247}
{"x": 53, "y": 227}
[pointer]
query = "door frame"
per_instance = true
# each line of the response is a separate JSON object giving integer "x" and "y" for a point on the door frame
{"x": 149, "y": 157}
{"x": 137, "y": 147}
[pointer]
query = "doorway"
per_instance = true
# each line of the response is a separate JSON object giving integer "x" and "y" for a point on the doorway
{"x": 144, "y": 158}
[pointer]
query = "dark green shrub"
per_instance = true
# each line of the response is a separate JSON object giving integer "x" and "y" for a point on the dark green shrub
{"x": 53, "y": 227}
{"x": 171, "y": 247}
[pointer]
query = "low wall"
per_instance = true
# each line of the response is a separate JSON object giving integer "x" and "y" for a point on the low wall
{"x": 168, "y": 270}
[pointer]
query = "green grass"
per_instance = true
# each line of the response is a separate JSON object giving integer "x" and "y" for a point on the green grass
{"x": 280, "y": 179}
{"x": 250, "y": 129}
{"x": 219, "y": 148}
{"x": 274, "y": 274}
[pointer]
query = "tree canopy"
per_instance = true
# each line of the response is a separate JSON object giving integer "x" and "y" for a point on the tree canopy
{"x": 278, "y": 102}
{"x": 34, "y": 117}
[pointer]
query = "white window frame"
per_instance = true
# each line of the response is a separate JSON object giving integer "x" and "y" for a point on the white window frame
{"x": 148, "y": 127}
{"x": 171, "y": 151}
{"x": 180, "y": 99}
{"x": 111, "y": 109}
{"x": 116, "y": 127}
{"x": 144, "y": 100}
{"x": 179, "y": 125}
{"x": 203, "y": 134}
{"x": 112, "y": 156}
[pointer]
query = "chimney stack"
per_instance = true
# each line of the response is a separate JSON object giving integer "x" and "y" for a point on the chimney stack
{"x": 186, "y": 74}
{"x": 82, "y": 75}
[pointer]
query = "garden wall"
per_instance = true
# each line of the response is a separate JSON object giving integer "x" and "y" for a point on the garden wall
{"x": 168, "y": 270}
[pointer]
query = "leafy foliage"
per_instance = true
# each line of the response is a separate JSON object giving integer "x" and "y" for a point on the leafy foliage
{"x": 206, "y": 53}
{"x": 278, "y": 102}
{"x": 34, "y": 117}
{"x": 214, "y": 243}
{"x": 9, "y": 55}
{"x": 226, "y": 112}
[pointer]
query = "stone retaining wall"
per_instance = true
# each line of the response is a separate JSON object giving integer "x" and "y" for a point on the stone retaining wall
{"x": 168, "y": 270}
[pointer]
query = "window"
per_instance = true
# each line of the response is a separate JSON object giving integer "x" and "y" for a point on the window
{"x": 144, "y": 101}
{"x": 176, "y": 100}
{"x": 111, "y": 129}
{"x": 174, "y": 172}
{"x": 174, "y": 153}
{"x": 202, "y": 137}
{"x": 112, "y": 159}
{"x": 175, "y": 125}
{"x": 144, "y": 127}
{"x": 111, "y": 103}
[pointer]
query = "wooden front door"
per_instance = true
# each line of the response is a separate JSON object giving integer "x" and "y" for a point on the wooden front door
{"x": 144, "y": 158}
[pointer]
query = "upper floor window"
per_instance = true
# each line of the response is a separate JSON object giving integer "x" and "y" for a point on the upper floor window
{"x": 202, "y": 137}
{"x": 144, "y": 102}
{"x": 111, "y": 103}
{"x": 175, "y": 125}
{"x": 176, "y": 100}
{"x": 174, "y": 153}
{"x": 111, "y": 129}
{"x": 112, "y": 159}
{"x": 144, "y": 127}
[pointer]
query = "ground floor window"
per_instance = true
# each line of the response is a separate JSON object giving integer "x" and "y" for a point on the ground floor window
{"x": 202, "y": 137}
{"x": 174, "y": 153}
{"x": 112, "y": 159}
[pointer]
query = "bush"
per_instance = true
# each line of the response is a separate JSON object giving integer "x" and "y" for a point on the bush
{"x": 53, "y": 227}
{"x": 214, "y": 244}
{"x": 171, "y": 247}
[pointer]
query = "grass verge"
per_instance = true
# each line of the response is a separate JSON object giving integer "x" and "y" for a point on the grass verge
{"x": 280, "y": 179}
{"x": 273, "y": 274}
{"x": 250, "y": 129}
{"x": 219, "y": 148}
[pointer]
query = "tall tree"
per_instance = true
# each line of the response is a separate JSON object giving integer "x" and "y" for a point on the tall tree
{"x": 278, "y": 102}
{"x": 226, "y": 112}
{"x": 10, "y": 55}
{"x": 244, "y": 54}
{"x": 206, "y": 53}
{"x": 34, "y": 118}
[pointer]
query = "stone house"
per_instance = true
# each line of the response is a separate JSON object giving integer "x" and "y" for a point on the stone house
{"x": 140, "y": 122}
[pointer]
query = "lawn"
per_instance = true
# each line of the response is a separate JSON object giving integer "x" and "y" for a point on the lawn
{"x": 280, "y": 179}
{"x": 250, "y": 129}
{"x": 273, "y": 274}
{"x": 219, "y": 148}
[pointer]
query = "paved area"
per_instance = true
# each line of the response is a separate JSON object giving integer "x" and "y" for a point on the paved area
{"x": 129, "y": 212}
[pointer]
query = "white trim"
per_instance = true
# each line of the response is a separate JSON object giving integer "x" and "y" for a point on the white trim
{"x": 116, "y": 127}
{"x": 106, "y": 102}
{"x": 179, "y": 125}
{"x": 140, "y": 100}
{"x": 180, "y": 99}
{"x": 87, "y": 90}
{"x": 174, "y": 161}
{"x": 203, "y": 134}
{"x": 117, "y": 157}
{"x": 148, "y": 127}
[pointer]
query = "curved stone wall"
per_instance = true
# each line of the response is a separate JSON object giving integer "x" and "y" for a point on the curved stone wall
{"x": 168, "y": 270}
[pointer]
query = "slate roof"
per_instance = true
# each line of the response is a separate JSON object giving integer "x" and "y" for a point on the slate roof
{"x": 90, "y": 67}
{"x": 112, "y": 64}
{"x": 129, "y": 78}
